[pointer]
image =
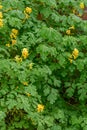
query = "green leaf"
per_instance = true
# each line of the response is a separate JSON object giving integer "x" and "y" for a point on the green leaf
{"x": 52, "y": 97}
{"x": 46, "y": 11}
{"x": 2, "y": 115}
{"x": 15, "y": 22}
{"x": 50, "y": 34}
{"x": 80, "y": 65}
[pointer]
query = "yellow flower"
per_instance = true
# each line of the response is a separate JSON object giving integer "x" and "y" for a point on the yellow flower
{"x": 70, "y": 58}
{"x": 25, "y": 53}
{"x": 13, "y": 42}
{"x": 15, "y": 31}
{"x": 13, "y": 36}
{"x": 25, "y": 83}
{"x": 31, "y": 66}
{"x": 28, "y": 94}
{"x": 68, "y": 32}
{"x": 26, "y": 16}
{"x": 8, "y": 45}
{"x": 82, "y": 6}
{"x": 1, "y": 16}
{"x": 28, "y": 10}
{"x": 72, "y": 27}
{"x": 75, "y": 53}
{"x": 1, "y": 23}
{"x": 40, "y": 107}
{"x": 18, "y": 58}
{"x": 1, "y": 6}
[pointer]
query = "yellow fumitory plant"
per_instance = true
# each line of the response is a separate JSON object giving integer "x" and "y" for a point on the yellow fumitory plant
{"x": 75, "y": 53}
{"x": 15, "y": 31}
{"x": 25, "y": 83}
{"x": 8, "y": 44}
{"x": 1, "y": 6}
{"x": 14, "y": 34}
{"x": 13, "y": 42}
{"x": 70, "y": 58}
{"x": 72, "y": 27}
{"x": 68, "y": 32}
{"x": 82, "y": 6}
{"x": 25, "y": 53}
{"x": 28, "y": 10}
{"x": 18, "y": 58}
{"x": 40, "y": 107}
{"x": 1, "y": 16}
{"x": 1, "y": 20}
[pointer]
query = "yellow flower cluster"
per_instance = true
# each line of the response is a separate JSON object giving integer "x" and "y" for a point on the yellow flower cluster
{"x": 74, "y": 55}
{"x": 40, "y": 107}
{"x": 1, "y": 6}
{"x": 8, "y": 44}
{"x": 82, "y": 6}
{"x": 76, "y": 13}
{"x": 25, "y": 83}
{"x": 27, "y": 11}
{"x": 70, "y": 58}
{"x": 1, "y": 17}
{"x": 13, "y": 36}
{"x": 18, "y": 58}
{"x": 72, "y": 27}
{"x": 13, "y": 41}
{"x": 15, "y": 32}
{"x": 68, "y": 32}
{"x": 25, "y": 53}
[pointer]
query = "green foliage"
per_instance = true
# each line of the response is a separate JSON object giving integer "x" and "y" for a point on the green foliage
{"x": 43, "y": 61}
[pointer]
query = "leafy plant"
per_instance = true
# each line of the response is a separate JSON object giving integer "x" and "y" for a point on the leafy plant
{"x": 43, "y": 56}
